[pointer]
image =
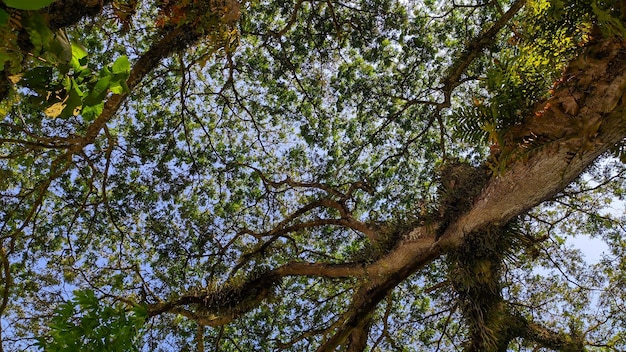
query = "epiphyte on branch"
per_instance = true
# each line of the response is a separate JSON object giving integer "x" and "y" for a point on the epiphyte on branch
{"x": 460, "y": 183}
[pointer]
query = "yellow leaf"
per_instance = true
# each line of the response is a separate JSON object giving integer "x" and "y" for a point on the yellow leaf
{"x": 55, "y": 109}
{"x": 15, "y": 78}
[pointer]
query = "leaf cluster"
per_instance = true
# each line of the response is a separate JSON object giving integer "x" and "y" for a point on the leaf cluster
{"x": 85, "y": 323}
{"x": 59, "y": 78}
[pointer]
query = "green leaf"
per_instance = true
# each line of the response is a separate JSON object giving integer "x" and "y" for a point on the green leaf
{"x": 60, "y": 49}
{"x": 28, "y": 4}
{"x": 4, "y": 17}
{"x": 74, "y": 101}
{"x": 4, "y": 57}
{"x": 79, "y": 53}
{"x": 39, "y": 33}
{"x": 78, "y": 50}
{"x": 85, "y": 72}
{"x": 90, "y": 112}
{"x": 98, "y": 93}
{"x": 125, "y": 87}
{"x": 121, "y": 65}
{"x": 87, "y": 324}
{"x": 37, "y": 79}
{"x": 119, "y": 87}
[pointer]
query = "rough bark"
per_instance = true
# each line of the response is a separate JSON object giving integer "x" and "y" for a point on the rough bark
{"x": 357, "y": 340}
{"x": 574, "y": 140}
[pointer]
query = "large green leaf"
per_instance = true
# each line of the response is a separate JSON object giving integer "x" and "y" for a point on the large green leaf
{"x": 121, "y": 65}
{"x": 90, "y": 112}
{"x": 40, "y": 35}
{"x": 4, "y": 17}
{"x": 28, "y": 4}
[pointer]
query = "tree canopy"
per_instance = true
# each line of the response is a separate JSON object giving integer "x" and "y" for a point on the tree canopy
{"x": 367, "y": 175}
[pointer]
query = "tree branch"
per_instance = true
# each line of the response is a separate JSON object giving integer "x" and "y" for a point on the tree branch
{"x": 573, "y": 144}
{"x": 515, "y": 192}
{"x": 474, "y": 48}
{"x": 215, "y": 306}
{"x": 557, "y": 341}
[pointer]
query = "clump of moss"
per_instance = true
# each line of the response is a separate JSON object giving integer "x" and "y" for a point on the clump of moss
{"x": 237, "y": 296}
{"x": 459, "y": 185}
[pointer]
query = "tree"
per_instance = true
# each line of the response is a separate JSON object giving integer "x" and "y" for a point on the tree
{"x": 366, "y": 175}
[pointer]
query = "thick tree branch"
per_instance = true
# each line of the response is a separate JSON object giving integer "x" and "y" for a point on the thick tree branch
{"x": 357, "y": 341}
{"x": 574, "y": 140}
{"x": 544, "y": 337}
{"x": 221, "y": 305}
{"x": 527, "y": 182}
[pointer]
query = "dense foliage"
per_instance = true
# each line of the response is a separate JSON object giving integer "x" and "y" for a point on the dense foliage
{"x": 369, "y": 175}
